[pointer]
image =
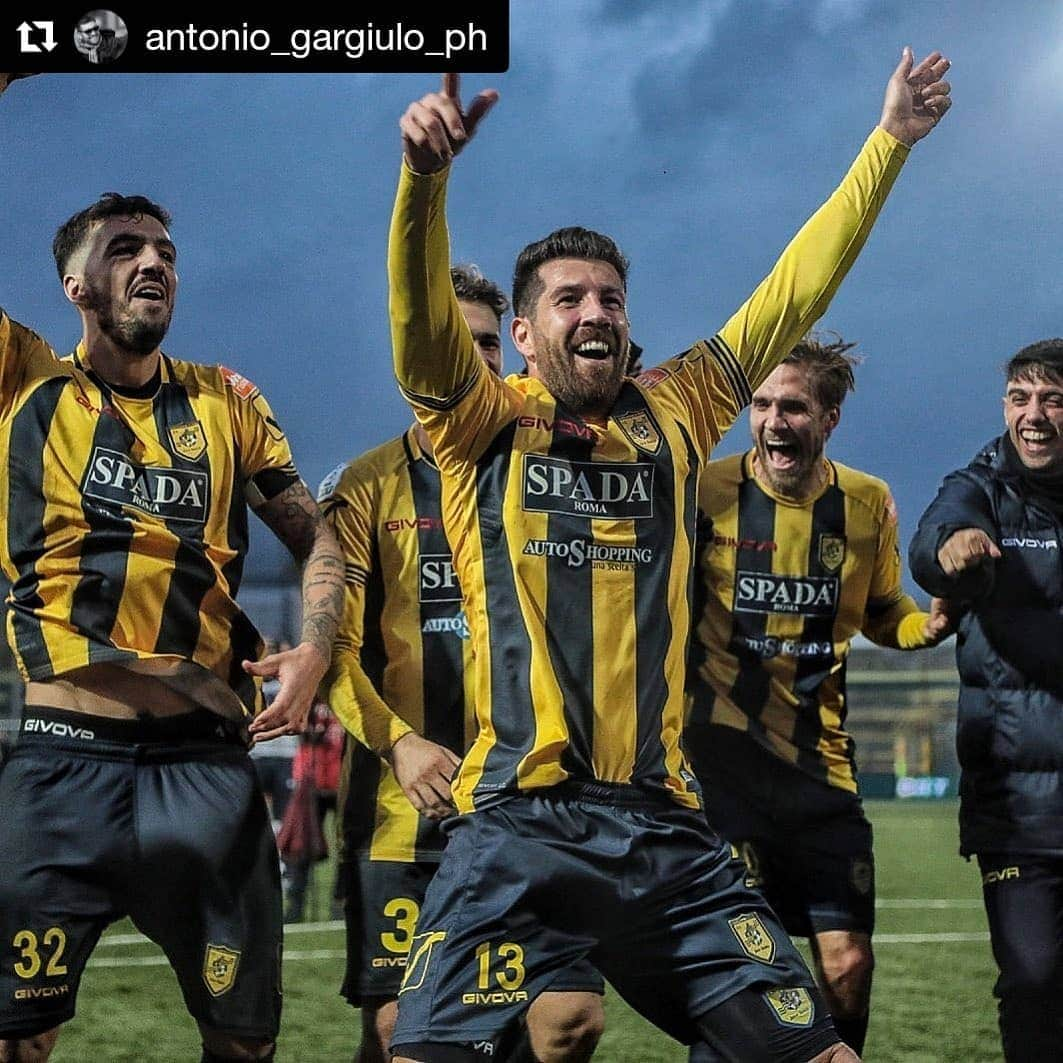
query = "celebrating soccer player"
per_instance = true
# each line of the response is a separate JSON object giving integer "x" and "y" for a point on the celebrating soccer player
{"x": 130, "y": 791}
{"x": 399, "y": 686}
{"x": 569, "y": 497}
{"x": 798, "y": 554}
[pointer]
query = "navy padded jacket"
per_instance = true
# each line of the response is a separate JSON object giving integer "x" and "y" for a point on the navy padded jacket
{"x": 1009, "y": 652}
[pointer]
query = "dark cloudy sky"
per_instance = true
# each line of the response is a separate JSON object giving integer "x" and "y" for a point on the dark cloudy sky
{"x": 699, "y": 133}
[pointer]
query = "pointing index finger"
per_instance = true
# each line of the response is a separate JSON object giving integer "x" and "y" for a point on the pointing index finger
{"x": 452, "y": 86}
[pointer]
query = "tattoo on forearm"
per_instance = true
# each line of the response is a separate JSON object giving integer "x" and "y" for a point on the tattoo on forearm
{"x": 323, "y": 592}
{"x": 294, "y": 517}
{"x": 295, "y": 520}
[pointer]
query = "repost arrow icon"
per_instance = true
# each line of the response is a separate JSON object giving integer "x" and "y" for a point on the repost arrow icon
{"x": 25, "y": 44}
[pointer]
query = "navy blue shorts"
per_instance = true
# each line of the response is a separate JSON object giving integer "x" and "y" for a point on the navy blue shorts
{"x": 638, "y": 885}
{"x": 383, "y": 900}
{"x": 162, "y": 821}
{"x": 807, "y": 844}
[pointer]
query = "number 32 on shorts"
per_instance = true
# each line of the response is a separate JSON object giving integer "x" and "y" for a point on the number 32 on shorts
{"x": 30, "y": 947}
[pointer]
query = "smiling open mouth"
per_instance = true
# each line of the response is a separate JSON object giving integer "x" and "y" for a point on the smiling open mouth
{"x": 1037, "y": 438}
{"x": 153, "y": 293}
{"x": 594, "y": 349}
{"x": 782, "y": 454}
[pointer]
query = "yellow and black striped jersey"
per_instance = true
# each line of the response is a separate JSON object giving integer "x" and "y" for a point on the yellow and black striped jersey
{"x": 786, "y": 586}
{"x": 399, "y": 662}
{"x": 574, "y": 541}
{"x": 124, "y": 517}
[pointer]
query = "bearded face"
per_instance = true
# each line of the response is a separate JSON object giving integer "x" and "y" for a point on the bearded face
{"x": 576, "y": 340}
{"x": 125, "y": 281}
{"x": 131, "y": 327}
{"x": 790, "y": 429}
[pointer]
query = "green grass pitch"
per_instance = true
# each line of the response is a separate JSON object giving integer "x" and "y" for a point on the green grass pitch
{"x": 932, "y": 998}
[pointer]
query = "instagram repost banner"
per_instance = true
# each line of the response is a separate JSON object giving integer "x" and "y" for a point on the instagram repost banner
{"x": 384, "y": 38}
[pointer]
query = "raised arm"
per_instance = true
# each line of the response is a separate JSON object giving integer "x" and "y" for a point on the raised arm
{"x": 19, "y": 346}
{"x": 433, "y": 349}
{"x": 797, "y": 291}
{"x": 917, "y": 97}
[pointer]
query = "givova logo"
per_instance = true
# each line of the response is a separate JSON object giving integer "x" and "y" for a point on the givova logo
{"x": 611, "y": 490}
{"x": 1029, "y": 542}
{"x": 764, "y": 592}
{"x": 171, "y": 494}
{"x": 61, "y": 730}
{"x": 439, "y": 581}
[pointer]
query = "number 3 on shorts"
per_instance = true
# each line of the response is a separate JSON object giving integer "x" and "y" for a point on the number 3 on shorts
{"x": 405, "y": 911}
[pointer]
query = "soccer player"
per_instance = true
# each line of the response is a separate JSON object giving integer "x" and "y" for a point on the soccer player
{"x": 124, "y": 513}
{"x": 798, "y": 554}
{"x": 398, "y": 685}
{"x": 569, "y": 498}
{"x": 990, "y": 541}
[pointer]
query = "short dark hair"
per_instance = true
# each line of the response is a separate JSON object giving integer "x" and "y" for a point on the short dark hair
{"x": 71, "y": 234}
{"x": 829, "y": 367}
{"x": 472, "y": 286}
{"x": 1038, "y": 361}
{"x": 573, "y": 242}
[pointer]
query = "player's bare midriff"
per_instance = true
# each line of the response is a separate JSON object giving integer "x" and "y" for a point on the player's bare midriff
{"x": 110, "y": 690}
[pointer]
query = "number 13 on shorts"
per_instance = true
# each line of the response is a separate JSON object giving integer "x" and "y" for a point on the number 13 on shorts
{"x": 510, "y": 959}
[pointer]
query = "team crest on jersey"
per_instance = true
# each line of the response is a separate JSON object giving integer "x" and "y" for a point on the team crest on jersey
{"x": 831, "y": 551}
{"x": 219, "y": 969}
{"x": 419, "y": 958}
{"x": 793, "y": 1007}
{"x": 640, "y": 429}
{"x": 753, "y": 936}
{"x": 188, "y": 440}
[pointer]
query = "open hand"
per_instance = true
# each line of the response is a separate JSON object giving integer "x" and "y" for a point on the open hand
{"x": 916, "y": 97}
{"x": 299, "y": 670}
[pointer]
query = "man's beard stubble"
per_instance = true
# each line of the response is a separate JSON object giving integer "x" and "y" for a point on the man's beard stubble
{"x": 128, "y": 332}
{"x": 580, "y": 394}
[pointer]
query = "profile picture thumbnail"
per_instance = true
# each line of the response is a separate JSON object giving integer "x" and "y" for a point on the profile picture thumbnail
{"x": 100, "y": 36}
